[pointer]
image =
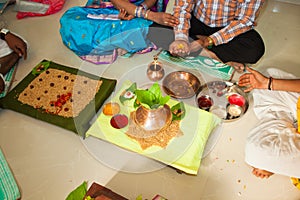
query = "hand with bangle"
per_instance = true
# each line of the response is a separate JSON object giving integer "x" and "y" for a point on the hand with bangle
{"x": 255, "y": 80}
{"x": 209, "y": 42}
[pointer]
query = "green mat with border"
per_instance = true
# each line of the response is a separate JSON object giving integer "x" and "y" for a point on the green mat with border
{"x": 79, "y": 124}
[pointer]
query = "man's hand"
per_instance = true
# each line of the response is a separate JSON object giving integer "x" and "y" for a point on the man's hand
{"x": 124, "y": 15}
{"x": 16, "y": 44}
{"x": 163, "y": 18}
{"x": 253, "y": 80}
{"x": 180, "y": 48}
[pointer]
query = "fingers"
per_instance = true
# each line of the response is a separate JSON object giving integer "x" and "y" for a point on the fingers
{"x": 21, "y": 50}
{"x": 170, "y": 20}
{"x": 17, "y": 44}
{"x": 250, "y": 69}
{"x": 195, "y": 46}
{"x": 245, "y": 81}
{"x": 179, "y": 48}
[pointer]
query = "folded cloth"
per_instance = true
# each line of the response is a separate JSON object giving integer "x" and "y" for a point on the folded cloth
{"x": 183, "y": 152}
{"x": 204, "y": 64}
{"x": 273, "y": 144}
{"x": 8, "y": 187}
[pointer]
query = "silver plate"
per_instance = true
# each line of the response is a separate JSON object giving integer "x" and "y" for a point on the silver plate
{"x": 220, "y": 92}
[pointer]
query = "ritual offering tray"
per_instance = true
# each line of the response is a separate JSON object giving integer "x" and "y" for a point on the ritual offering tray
{"x": 181, "y": 84}
{"x": 224, "y": 99}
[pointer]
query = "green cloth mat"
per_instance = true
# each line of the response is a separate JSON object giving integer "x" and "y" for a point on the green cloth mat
{"x": 203, "y": 64}
{"x": 79, "y": 124}
{"x": 183, "y": 152}
{"x": 8, "y": 79}
{"x": 8, "y": 187}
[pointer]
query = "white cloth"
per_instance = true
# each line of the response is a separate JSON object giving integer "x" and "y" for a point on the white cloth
{"x": 4, "y": 49}
{"x": 274, "y": 144}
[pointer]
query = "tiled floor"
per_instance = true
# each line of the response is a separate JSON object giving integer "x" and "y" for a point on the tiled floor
{"x": 49, "y": 162}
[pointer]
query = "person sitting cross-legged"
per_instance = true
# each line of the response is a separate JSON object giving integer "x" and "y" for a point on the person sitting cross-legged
{"x": 273, "y": 145}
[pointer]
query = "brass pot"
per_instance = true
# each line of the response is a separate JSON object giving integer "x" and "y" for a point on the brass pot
{"x": 153, "y": 119}
{"x": 155, "y": 71}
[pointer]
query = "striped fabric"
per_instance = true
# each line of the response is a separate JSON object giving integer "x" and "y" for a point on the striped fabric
{"x": 203, "y": 64}
{"x": 236, "y": 16}
{"x": 8, "y": 187}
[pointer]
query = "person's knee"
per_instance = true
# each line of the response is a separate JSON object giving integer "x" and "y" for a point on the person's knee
{"x": 256, "y": 54}
{"x": 255, "y": 46}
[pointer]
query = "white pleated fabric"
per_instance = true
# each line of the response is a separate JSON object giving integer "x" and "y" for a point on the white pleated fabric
{"x": 4, "y": 49}
{"x": 274, "y": 144}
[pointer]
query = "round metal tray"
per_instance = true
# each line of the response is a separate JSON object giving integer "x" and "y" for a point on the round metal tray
{"x": 225, "y": 99}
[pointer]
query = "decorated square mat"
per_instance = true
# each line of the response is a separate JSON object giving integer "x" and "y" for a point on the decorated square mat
{"x": 60, "y": 95}
{"x": 203, "y": 64}
{"x": 180, "y": 144}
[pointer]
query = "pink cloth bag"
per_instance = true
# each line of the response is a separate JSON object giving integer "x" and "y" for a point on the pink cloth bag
{"x": 54, "y": 6}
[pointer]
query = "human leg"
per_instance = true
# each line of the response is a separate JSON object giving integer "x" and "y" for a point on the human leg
{"x": 161, "y": 36}
{"x": 274, "y": 144}
{"x": 245, "y": 48}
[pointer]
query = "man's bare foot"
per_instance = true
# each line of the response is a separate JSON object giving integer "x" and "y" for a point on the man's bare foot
{"x": 207, "y": 53}
{"x": 121, "y": 52}
{"x": 261, "y": 173}
{"x": 239, "y": 67}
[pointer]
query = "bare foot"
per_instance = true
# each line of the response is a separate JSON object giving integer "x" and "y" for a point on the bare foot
{"x": 121, "y": 52}
{"x": 209, "y": 54}
{"x": 261, "y": 173}
{"x": 239, "y": 67}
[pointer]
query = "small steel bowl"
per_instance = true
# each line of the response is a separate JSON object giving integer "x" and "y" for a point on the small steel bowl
{"x": 181, "y": 84}
{"x": 234, "y": 111}
{"x": 204, "y": 102}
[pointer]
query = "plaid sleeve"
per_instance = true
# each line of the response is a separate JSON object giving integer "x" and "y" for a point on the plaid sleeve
{"x": 182, "y": 10}
{"x": 245, "y": 17}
